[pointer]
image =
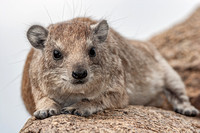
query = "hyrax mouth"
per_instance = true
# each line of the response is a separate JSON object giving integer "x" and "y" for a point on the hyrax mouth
{"x": 79, "y": 82}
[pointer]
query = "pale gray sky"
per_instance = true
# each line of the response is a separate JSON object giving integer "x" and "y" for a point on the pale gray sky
{"x": 136, "y": 19}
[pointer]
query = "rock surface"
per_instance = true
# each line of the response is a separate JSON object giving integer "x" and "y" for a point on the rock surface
{"x": 180, "y": 45}
{"x": 132, "y": 119}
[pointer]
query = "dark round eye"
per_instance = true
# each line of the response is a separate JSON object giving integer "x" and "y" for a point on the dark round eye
{"x": 57, "y": 55}
{"x": 92, "y": 52}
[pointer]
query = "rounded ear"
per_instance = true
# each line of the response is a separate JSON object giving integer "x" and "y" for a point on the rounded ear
{"x": 100, "y": 31}
{"x": 37, "y": 36}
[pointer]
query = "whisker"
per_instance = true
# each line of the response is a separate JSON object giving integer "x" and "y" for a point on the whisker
{"x": 21, "y": 51}
{"x": 118, "y": 19}
{"x": 26, "y": 24}
{"x": 68, "y": 5}
{"x": 86, "y": 10}
{"x": 63, "y": 12}
{"x": 48, "y": 14}
{"x": 80, "y": 10}
{"x": 11, "y": 63}
{"x": 18, "y": 105}
{"x": 137, "y": 31}
{"x": 12, "y": 81}
{"x": 73, "y": 9}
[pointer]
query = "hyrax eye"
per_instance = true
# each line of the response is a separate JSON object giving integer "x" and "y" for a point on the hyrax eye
{"x": 92, "y": 52}
{"x": 57, "y": 55}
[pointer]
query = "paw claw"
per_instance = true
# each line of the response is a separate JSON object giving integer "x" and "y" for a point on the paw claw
{"x": 67, "y": 110}
{"x": 178, "y": 111}
{"x": 42, "y": 114}
{"x": 188, "y": 111}
{"x": 194, "y": 113}
{"x": 63, "y": 111}
{"x": 52, "y": 112}
{"x": 76, "y": 111}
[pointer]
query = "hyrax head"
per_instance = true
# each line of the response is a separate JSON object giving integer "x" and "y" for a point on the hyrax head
{"x": 71, "y": 52}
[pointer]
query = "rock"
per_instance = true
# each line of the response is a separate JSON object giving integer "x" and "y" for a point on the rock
{"x": 131, "y": 119}
{"x": 180, "y": 45}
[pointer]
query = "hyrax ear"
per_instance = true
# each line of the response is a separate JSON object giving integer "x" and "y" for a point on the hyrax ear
{"x": 100, "y": 31}
{"x": 37, "y": 36}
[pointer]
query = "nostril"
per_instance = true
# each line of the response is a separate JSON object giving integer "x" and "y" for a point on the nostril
{"x": 74, "y": 75}
{"x": 84, "y": 74}
{"x": 79, "y": 74}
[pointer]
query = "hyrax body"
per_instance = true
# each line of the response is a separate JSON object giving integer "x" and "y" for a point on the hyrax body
{"x": 81, "y": 67}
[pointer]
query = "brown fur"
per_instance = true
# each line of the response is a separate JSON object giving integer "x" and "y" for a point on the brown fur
{"x": 123, "y": 71}
{"x": 27, "y": 95}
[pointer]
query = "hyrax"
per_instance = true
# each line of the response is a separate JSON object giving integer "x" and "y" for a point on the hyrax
{"x": 82, "y": 66}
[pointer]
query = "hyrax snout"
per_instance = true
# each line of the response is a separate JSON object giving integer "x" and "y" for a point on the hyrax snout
{"x": 82, "y": 66}
{"x": 79, "y": 74}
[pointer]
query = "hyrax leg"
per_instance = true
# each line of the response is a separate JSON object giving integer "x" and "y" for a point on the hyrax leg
{"x": 45, "y": 106}
{"x": 176, "y": 93}
{"x": 105, "y": 101}
{"x": 84, "y": 108}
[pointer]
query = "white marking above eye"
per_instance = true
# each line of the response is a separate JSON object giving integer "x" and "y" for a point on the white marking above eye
{"x": 59, "y": 44}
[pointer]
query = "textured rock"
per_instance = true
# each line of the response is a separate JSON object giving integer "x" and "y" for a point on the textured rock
{"x": 180, "y": 45}
{"x": 131, "y": 119}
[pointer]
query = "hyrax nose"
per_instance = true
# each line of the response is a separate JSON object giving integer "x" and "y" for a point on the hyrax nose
{"x": 79, "y": 74}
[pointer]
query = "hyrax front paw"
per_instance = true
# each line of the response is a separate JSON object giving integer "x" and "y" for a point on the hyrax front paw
{"x": 44, "y": 113}
{"x": 85, "y": 112}
{"x": 187, "y": 110}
